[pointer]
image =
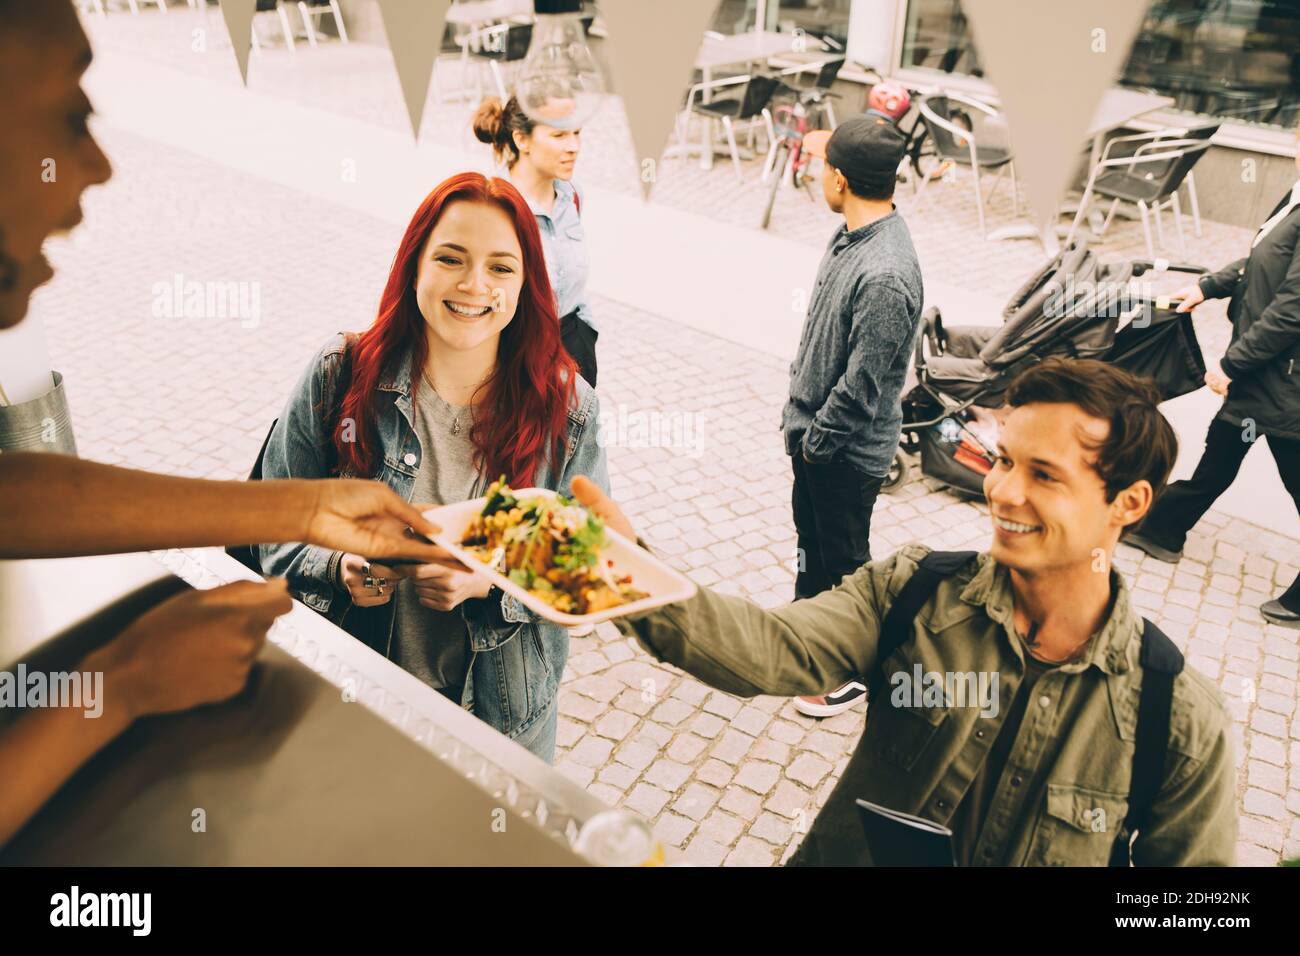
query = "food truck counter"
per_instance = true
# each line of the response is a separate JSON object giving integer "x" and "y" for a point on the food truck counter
{"x": 331, "y": 755}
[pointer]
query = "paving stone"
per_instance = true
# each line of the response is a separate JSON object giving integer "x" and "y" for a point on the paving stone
{"x": 771, "y": 828}
{"x": 732, "y": 746}
{"x": 750, "y": 852}
{"x": 723, "y": 828}
{"x": 742, "y": 803}
{"x": 636, "y": 755}
{"x": 787, "y": 800}
{"x": 760, "y": 777}
{"x": 715, "y": 773}
{"x": 787, "y": 733}
{"x": 808, "y": 769}
{"x": 722, "y": 705}
{"x": 707, "y": 725}
{"x": 705, "y": 852}
{"x": 646, "y": 800}
{"x": 591, "y": 752}
{"x": 616, "y": 724}
{"x": 668, "y": 774}
{"x": 751, "y": 720}
{"x": 1264, "y": 804}
{"x": 673, "y": 829}
{"x": 696, "y": 801}
{"x": 656, "y": 735}
{"x": 618, "y": 775}
{"x": 686, "y": 747}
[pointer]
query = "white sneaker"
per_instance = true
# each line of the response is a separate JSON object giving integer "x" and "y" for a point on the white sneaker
{"x": 836, "y": 702}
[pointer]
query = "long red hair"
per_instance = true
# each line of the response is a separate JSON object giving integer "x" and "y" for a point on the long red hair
{"x": 526, "y": 401}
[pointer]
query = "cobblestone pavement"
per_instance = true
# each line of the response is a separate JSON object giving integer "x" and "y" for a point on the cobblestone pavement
{"x": 727, "y": 781}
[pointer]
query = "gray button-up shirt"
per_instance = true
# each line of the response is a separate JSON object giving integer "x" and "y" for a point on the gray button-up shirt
{"x": 846, "y": 382}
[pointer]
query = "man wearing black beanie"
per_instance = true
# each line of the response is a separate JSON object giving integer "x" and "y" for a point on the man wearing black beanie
{"x": 843, "y": 420}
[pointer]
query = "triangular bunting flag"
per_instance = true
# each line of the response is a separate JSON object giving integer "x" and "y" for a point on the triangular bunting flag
{"x": 653, "y": 47}
{"x": 238, "y": 15}
{"x": 1051, "y": 64}
{"x": 414, "y": 29}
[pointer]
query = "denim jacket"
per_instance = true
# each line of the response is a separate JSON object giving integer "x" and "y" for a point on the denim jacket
{"x": 516, "y": 658}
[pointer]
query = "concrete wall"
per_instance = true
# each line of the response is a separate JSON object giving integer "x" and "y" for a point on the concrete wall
{"x": 1226, "y": 193}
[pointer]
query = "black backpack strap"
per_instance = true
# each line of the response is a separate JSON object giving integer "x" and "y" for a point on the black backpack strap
{"x": 1162, "y": 662}
{"x": 920, "y": 587}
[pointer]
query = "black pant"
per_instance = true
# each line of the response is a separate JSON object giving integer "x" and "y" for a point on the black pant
{"x": 579, "y": 340}
{"x": 832, "y": 515}
{"x": 1184, "y": 502}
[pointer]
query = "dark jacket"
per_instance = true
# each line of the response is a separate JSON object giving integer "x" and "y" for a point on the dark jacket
{"x": 1263, "y": 359}
{"x": 856, "y": 347}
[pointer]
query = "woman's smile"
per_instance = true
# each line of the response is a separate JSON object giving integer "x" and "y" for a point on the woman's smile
{"x": 468, "y": 312}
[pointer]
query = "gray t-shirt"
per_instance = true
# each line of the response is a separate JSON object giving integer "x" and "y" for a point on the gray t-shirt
{"x": 434, "y": 645}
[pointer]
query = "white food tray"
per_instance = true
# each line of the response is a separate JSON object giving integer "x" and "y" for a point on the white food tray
{"x": 662, "y": 584}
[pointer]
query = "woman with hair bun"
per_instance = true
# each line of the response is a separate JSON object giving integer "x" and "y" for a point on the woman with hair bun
{"x": 540, "y": 160}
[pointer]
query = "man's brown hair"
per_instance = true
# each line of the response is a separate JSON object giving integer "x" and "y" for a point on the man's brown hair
{"x": 1140, "y": 444}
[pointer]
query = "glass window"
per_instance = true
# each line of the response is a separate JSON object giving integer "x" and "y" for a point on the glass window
{"x": 735, "y": 16}
{"x": 819, "y": 18}
{"x": 1235, "y": 60}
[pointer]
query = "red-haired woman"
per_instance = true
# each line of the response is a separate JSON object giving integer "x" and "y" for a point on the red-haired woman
{"x": 461, "y": 378}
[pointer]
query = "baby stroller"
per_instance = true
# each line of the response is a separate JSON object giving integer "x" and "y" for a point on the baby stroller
{"x": 1075, "y": 306}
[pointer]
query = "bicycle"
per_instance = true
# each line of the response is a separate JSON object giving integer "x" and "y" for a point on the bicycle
{"x": 787, "y": 158}
{"x": 793, "y": 120}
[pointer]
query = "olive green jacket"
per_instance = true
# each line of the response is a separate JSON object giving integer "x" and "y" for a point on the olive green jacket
{"x": 1073, "y": 754}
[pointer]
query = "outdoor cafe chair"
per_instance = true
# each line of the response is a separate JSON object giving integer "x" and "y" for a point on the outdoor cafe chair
{"x": 311, "y": 10}
{"x": 286, "y": 25}
{"x": 751, "y": 107}
{"x": 968, "y": 147}
{"x": 1129, "y": 145}
{"x": 1149, "y": 179}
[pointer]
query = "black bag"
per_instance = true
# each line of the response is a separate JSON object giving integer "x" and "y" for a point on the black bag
{"x": 1161, "y": 663}
{"x": 246, "y": 554}
{"x": 1165, "y": 351}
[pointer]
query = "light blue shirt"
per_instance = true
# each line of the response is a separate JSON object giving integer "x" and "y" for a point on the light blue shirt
{"x": 566, "y": 258}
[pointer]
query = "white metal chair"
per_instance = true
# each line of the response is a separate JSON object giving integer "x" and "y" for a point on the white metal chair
{"x": 749, "y": 108}
{"x": 311, "y": 10}
{"x": 1149, "y": 178}
{"x": 286, "y": 25}
{"x": 958, "y": 144}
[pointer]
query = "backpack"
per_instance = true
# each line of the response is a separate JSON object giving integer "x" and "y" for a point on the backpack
{"x": 1161, "y": 663}
{"x": 246, "y": 554}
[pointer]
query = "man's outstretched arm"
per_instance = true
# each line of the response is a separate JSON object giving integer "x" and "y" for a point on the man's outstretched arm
{"x": 54, "y": 506}
{"x": 808, "y": 647}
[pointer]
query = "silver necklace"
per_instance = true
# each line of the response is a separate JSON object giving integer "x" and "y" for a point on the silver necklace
{"x": 455, "y": 412}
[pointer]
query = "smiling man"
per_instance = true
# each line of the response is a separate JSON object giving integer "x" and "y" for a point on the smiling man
{"x": 1048, "y": 776}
